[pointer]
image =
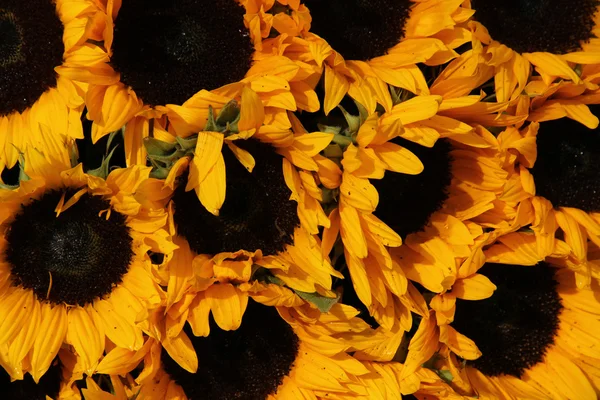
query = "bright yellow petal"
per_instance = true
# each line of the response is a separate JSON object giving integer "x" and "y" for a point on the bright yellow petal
{"x": 244, "y": 157}
{"x": 45, "y": 347}
{"x": 227, "y": 304}
{"x": 336, "y": 87}
{"x": 475, "y": 287}
{"x": 399, "y": 159}
{"x": 206, "y": 155}
{"x": 459, "y": 343}
{"x": 86, "y": 337}
{"x": 180, "y": 349}
{"x": 212, "y": 190}
{"x": 252, "y": 112}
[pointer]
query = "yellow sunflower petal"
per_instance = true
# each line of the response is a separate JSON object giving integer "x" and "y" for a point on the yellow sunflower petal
{"x": 118, "y": 329}
{"x": 399, "y": 159}
{"x": 45, "y": 347}
{"x": 475, "y": 287}
{"x": 252, "y": 111}
{"x": 211, "y": 191}
{"x": 180, "y": 349}
{"x": 85, "y": 336}
{"x": 244, "y": 157}
{"x": 351, "y": 231}
{"x": 227, "y": 304}
{"x": 359, "y": 192}
{"x": 15, "y": 309}
{"x": 206, "y": 156}
{"x": 459, "y": 343}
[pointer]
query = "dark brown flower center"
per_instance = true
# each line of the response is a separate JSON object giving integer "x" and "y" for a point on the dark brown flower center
{"x": 567, "y": 171}
{"x": 246, "y": 364}
{"x": 528, "y": 26}
{"x": 360, "y": 29}
{"x": 406, "y": 202}
{"x": 74, "y": 258}
{"x": 257, "y": 212}
{"x": 513, "y": 328}
{"x": 31, "y": 47}
{"x": 168, "y": 51}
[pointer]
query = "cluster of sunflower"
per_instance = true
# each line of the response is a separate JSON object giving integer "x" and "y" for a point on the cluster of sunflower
{"x": 286, "y": 199}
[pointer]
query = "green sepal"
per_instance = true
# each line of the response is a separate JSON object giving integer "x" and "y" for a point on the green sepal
{"x": 399, "y": 95}
{"x": 342, "y": 141}
{"x": 333, "y": 151}
{"x": 112, "y": 135}
{"x": 104, "y": 169}
{"x": 22, "y": 175}
{"x": 74, "y": 155}
{"x": 329, "y": 129}
{"x": 8, "y": 187}
{"x": 323, "y": 303}
{"x": 188, "y": 143}
{"x": 354, "y": 121}
{"x": 330, "y": 195}
{"x": 363, "y": 114}
{"x": 169, "y": 159}
{"x": 155, "y": 147}
{"x": 232, "y": 127}
{"x": 229, "y": 113}
{"x": 159, "y": 172}
{"x": 445, "y": 375}
{"x": 211, "y": 124}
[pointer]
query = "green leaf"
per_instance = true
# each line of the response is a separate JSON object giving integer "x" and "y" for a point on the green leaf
{"x": 323, "y": 303}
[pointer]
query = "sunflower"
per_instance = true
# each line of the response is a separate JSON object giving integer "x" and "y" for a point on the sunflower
{"x": 554, "y": 162}
{"x": 367, "y": 45}
{"x": 257, "y": 202}
{"x": 75, "y": 269}
{"x": 428, "y": 180}
{"x": 144, "y": 74}
{"x": 536, "y": 332}
{"x": 277, "y": 352}
{"x": 40, "y": 106}
{"x": 553, "y": 37}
